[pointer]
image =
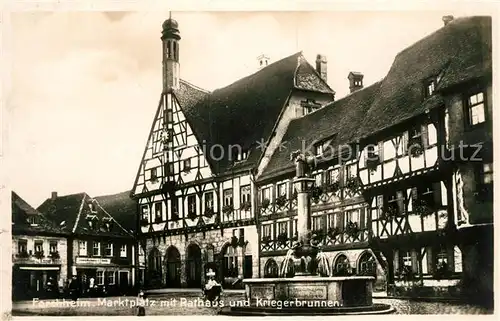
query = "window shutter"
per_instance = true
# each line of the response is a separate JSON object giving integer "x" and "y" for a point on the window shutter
{"x": 381, "y": 151}
{"x": 451, "y": 258}
{"x": 362, "y": 214}
{"x": 414, "y": 197}
{"x": 380, "y": 205}
{"x": 404, "y": 143}
{"x": 430, "y": 260}
{"x": 425, "y": 136}
{"x": 414, "y": 261}
{"x": 401, "y": 201}
{"x": 436, "y": 189}
{"x": 396, "y": 261}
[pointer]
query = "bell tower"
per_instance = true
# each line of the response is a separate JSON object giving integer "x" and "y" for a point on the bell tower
{"x": 170, "y": 39}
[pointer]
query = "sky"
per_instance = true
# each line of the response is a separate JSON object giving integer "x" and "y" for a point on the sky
{"x": 85, "y": 85}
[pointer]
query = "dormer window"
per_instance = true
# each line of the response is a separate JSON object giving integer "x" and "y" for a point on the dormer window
{"x": 33, "y": 220}
{"x": 309, "y": 105}
{"x": 430, "y": 87}
{"x": 320, "y": 148}
{"x": 92, "y": 208}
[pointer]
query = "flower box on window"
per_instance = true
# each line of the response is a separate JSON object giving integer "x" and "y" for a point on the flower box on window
{"x": 144, "y": 222}
{"x": 266, "y": 239}
{"x": 318, "y": 235}
{"x": 334, "y": 232}
{"x": 23, "y": 255}
{"x": 316, "y": 193}
{"x": 227, "y": 209}
{"x": 282, "y": 238}
{"x": 281, "y": 200}
{"x": 209, "y": 212}
{"x": 54, "y": 255}
{"x": 333, "y": 187}
{"x": 192, "y": 215}
{"x": 39, "y": 255}
{"x": 352, "y": 229}
{"x": 265, "y": 203}
{"x": 353, "y": 184}
{"x": 423, "y": 208}
{"x": 246, "y": 206}
{"x": 390, "y": 211}
{"x": 415, "y": 146}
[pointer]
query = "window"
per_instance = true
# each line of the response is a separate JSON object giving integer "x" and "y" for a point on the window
{"x": 175, "y": 208}
{"x": 317, "y": 223}
{"x": 372, "y": 153}
{"x": 266, "y": 193}
{"x": 22, "y": 246}
{"x": 82, "y": 248}
{"x": 154, "y": 174}
{"x": 92, "y": 208}
{"x": 228, "y": 196}
{"x": 191, "y": 200}
{"x": 430, "y": 87}
{"x": 100, "y": 277}
{"x": 33, "y": 220}
{"x": 170, "y": 117}
{"x": 484, "y": 181}
{"x": 110, "y": 277}
{"x": 309, "y": 106}
{"x": 38, "y": 246}
{"x": 96, "y": 249}
{"x": 318, "y": 179}
{"x": 353, "y": 216}
{"x": 282, "y": 189}
{"x": 350, "y": 171}
{"x": 333, "y": 176}
{"x": 407, "y": 259}
{"x": 209, "y": 200}
{"x": 267, "y": 230}
{"x": 108, "y": 251}
{"x": 123, "y": 250}
{"x": 245, "y": 195}
{"x": 158, "y": 211}
{"x": 53, "y": 246}
{"x": 231, "y": 262}
{"x": 187, "y": 165}
{"x": 169, "y": 169}
{"x": 475, "y": 108}
{"x": 145, "y": 212}
{"x": 283, "y": 228}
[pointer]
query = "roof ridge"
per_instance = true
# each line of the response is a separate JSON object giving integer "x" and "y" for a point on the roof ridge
{"x": 79, "y": 213}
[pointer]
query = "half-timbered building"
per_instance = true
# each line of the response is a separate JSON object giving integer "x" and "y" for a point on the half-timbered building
{"x": 195, "y": 184}
{"x": 393, "y": 195}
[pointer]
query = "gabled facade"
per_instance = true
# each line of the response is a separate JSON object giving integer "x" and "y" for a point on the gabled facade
{"x": 98, "y": 246}
{"x": 195, "y": 188}
{"x": 39, "y": 258}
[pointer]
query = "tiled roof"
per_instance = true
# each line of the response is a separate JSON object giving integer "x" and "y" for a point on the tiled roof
{"x": 122, "y": 208}
{"x": 246, "y": 111}
{"x": 21, "y": 210}
{"x": 458, "y": 52}
{"x": 73, "y": 212}
{"x": 463, "y": 43}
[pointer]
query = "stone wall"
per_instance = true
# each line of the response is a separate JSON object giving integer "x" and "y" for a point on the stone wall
{"x": 217, "y": 238}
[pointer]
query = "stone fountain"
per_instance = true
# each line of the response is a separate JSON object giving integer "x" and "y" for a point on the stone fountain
{"x": 305, "y": 285}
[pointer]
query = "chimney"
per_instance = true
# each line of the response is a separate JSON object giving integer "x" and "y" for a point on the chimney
{"x": 355, "y": 81}
{"x": 447, "y": 19}
{"x": 321, "y": 66}
{"x": 54, "y": 196}
{"x": 263, "y": 61}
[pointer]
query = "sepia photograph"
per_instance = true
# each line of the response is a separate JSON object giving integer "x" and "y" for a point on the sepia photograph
{"x": 250, "y": 163}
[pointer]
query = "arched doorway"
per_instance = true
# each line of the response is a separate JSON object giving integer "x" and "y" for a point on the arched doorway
{"x": 367, "y": 264}
{"x": 173, "y": 268}
{"x": 341, "y": 266}
{"x": 193, "y": 266}
{"x": 154, "y": 267}
{"x": 271, "y": 269}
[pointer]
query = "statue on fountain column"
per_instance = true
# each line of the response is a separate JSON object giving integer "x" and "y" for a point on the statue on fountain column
{"x": 304, "y": 165}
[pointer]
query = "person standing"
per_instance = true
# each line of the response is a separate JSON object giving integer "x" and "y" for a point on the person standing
{"x": 74, "y": 288}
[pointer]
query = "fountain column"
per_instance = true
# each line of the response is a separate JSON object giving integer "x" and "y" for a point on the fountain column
{"x": 302, "y": 185}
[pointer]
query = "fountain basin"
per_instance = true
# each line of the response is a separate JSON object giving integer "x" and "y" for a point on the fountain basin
{"x": 309, "y": 295}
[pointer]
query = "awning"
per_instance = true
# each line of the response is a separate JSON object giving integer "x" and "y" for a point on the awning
{"x": 40, "y": 268}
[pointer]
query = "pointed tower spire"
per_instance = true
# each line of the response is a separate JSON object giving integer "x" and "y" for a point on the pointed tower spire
{"x": 171, "y": 67}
